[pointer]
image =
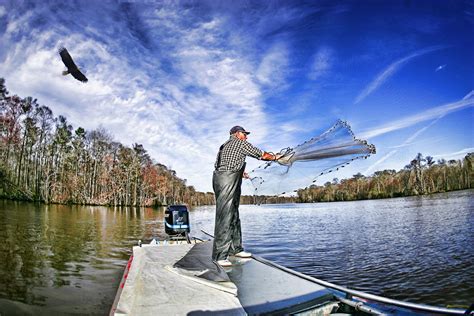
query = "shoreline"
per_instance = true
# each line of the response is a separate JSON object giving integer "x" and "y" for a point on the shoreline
{"x": 246, "y": 196}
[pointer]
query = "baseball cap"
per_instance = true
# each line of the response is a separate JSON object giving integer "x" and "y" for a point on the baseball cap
{"x": 237, "y": 128}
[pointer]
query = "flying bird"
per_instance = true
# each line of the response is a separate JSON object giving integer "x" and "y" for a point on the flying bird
{"x": 71, "y": 66}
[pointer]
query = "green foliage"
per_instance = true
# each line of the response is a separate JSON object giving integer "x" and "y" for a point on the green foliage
{"x": 421, "y": 176}
{"x": 45, "y": 159}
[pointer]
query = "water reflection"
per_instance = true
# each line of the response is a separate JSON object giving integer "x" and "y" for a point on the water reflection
{"x": 69, "y": 259}
{"x": 52, "y": 255}
{"x": 415, "y": 249}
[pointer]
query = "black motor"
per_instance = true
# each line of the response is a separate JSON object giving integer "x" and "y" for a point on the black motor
{"x": 177, "y": 220}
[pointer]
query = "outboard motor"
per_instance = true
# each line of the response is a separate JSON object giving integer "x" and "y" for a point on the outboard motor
{"x": 177, "y": 221}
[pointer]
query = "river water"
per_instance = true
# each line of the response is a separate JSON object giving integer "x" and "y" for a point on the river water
{"x": 69, "y": 259}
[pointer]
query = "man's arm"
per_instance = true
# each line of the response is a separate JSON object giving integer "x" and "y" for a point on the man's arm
{"x": 255, "y": 152}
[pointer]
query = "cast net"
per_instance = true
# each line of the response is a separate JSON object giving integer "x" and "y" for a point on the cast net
{"x": 301, "y": 166}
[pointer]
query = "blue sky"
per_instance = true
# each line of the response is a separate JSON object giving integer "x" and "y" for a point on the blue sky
{"x": 175, "y": 76}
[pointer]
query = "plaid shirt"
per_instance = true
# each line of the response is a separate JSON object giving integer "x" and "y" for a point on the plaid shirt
{"x": 231, "y": 155}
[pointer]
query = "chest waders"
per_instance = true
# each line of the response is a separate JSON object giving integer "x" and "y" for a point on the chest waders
{"x": 227, "y": 233}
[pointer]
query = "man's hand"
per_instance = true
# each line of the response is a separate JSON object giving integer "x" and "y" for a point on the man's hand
{"x": 245, "y": 175}
{"x": 268, "y": 156}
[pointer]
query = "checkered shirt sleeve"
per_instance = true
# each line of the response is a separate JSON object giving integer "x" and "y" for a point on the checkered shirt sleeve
{"x": 233, "y": 152}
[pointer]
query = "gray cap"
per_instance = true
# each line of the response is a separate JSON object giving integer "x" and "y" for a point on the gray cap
{"x": 236, "y": 129}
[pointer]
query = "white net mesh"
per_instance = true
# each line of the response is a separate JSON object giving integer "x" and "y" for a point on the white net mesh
{"x": 300, "y": 166}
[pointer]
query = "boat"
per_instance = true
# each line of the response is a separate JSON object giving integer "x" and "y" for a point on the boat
{"x": 176, "y": 276}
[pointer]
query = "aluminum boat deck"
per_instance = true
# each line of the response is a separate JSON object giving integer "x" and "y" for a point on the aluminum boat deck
{"x": 150, "y": 287}
{"x": 154, "y": 283}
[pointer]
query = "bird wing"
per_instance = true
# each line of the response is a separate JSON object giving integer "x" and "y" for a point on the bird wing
{"x": 71, "y": 66}
{"x": 67, "y": 59}
{"x": 79, "y": 75}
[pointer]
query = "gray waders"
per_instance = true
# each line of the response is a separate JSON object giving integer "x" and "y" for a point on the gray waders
{"x": 227, "y": 233}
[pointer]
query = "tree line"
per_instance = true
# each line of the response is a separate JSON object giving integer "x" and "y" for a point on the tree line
{"x": 43, "y": 158}
{"x": 423, "y": 175}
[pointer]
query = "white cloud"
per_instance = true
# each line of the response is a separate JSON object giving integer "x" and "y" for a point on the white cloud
{"x": 18, "y": 24}
{"x": 321, "y": 64}
{"x": 408, "y": 141}
{"x": 470, "y": 95}
{"x": 390, "y": 71}
{"x": 417, "y": 118}
{"x": 180, "y": 116}
{"x": 273, "y": 68}
{"x": 3, "y": 11}
{"x": 442, "y": 111}
{"x": 455, "y": 155}
{"x": 171, "y": 79}
{"x": 380, "y": 161}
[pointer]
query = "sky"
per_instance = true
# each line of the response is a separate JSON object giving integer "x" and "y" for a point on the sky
{"x": 175, "y": 76}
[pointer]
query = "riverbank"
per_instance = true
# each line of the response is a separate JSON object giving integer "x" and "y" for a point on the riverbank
{"x": 423, "y": 176}
{"x": 13, "y": 193}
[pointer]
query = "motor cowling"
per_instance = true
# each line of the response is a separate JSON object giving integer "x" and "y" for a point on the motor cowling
{"x": 177, "y": 220}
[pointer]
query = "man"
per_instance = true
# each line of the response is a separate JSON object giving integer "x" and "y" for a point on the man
{"x": 226, "y": 182}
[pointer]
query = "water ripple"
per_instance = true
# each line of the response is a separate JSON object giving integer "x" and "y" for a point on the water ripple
{"x": 415, "y": 249}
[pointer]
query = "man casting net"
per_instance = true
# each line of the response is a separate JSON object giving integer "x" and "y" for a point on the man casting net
{"x": 299, "y": 167}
